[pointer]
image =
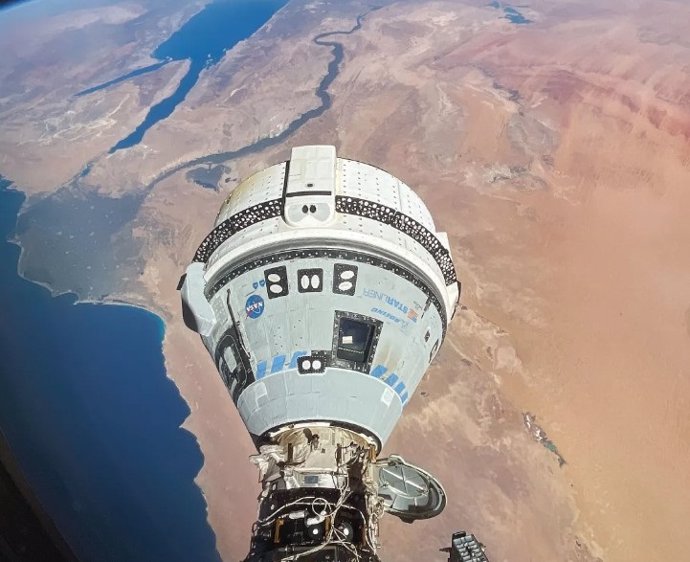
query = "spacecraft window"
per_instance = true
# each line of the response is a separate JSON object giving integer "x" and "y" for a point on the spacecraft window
{"x": 310, "y": 280}
{"x": 230, "y": 365}
{"x": 276, "y": 281}
{"x": 344, "y": 279}
{"x": 354, "y": 340}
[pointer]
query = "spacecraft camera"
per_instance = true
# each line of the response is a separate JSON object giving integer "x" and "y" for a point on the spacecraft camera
{"x": 322, "y": 293}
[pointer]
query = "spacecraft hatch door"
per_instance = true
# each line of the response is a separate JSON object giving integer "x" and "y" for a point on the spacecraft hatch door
{"x": 408, "y": 492}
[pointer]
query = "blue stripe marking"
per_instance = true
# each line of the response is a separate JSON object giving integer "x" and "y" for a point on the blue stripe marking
{"x": 278, "y": 363}
{"x": 392, "y": 380}
{"x": 261, "y": 370}
{"x": 295, "y": 356}
{"x": 379, "y": 371}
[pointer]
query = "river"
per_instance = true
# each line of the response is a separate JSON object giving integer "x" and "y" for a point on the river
{"x": 202, "y": 40}
{"x": 321, "y": 92}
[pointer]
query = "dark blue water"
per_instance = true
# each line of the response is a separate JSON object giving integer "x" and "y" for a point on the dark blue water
{"x": 94, "y": 422}
{"x": 510, "y": 13}
{"x": 513, "y": 16}
{"x": 202, "y": 40}
{"x": 129, "y": 75}
{"x": 337, "y": 52}
{"x": 86, "y": 170}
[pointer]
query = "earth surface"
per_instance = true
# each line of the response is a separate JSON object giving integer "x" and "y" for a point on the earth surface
{"x": 551, "y": 140}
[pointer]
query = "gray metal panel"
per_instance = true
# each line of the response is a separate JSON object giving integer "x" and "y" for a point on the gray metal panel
{"x": 196, "y": 310}
{"x": 264, "y": 185}
{"x": 335, "y": 395}
{"x": 368, "y": 182}
{"x": 311, "y": 185}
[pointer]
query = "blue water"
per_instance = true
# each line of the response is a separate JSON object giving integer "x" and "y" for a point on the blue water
{"x": 129, "y": 75}
{"x": 510, "y": 13}
{"x": 94, "y": 422}
{"x": 513, "y": 16}
{"x": 338, "y": 53}
{"x": 202, "y": 40}
{"x": 86, "y": 170}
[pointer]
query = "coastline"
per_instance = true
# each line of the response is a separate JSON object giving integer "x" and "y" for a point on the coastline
{"x": 152, "y": 399}
{"x": 321, "y": 92}
{"x": 150, "y": 308}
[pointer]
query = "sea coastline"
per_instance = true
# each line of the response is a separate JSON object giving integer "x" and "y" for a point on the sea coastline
{"x": 109, "y": 383}
{"x": 151, "y": 308}
{"x": 161, "y": 316}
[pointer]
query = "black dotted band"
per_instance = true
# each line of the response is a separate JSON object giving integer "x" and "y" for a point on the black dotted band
{"x": 345, "y": 205}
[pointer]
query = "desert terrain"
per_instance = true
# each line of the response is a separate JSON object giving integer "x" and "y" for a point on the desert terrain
{"x": 555, "y": 153}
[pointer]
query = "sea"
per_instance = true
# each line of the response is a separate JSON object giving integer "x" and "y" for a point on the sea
{"x": 94, "y": 422}
{"x": 85, "y": 402}
{"x": 202, "y": 41}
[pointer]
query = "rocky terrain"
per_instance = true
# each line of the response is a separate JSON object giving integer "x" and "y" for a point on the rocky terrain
{"x": 556, "y": 153}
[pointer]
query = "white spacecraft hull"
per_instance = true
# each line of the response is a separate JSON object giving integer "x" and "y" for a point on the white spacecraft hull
{"x": 323, "y": 293}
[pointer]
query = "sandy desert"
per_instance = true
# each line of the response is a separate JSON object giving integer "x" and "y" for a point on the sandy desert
{"x": 556, "y": 154}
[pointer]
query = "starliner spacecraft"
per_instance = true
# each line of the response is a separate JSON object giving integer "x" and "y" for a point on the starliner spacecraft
{"x": 323, "y": 293}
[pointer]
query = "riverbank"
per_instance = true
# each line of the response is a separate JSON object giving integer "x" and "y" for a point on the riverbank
{"x": 321, "y": 92}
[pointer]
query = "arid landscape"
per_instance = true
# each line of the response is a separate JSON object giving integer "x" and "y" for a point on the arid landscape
{"x": 555, "y": 153}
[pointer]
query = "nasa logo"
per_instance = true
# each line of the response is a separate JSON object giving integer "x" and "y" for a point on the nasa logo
{"x": 254, "y": 307}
